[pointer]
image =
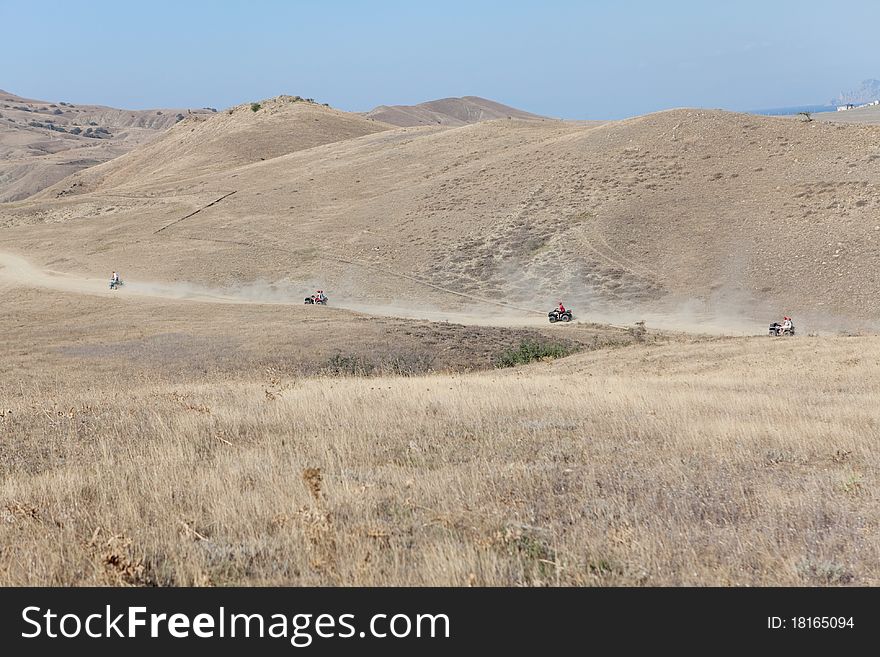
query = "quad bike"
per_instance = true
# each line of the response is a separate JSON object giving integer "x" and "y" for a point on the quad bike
{"x": 776, "y": 329}
{"x": 315, "y": 299}
{"x": 556, "y": 316}
{"x": 116, "y": 284}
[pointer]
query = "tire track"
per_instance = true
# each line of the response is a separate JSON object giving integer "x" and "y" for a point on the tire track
{"x": 177, "y": 221}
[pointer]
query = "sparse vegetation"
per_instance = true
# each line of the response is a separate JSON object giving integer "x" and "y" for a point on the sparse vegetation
{"x": 394, "y": 363}
{"x": 255, "y": 107}
{"x": 149, "y": 441}
{"x": 592, "y": 471}
{"x": 529, "y": 351}
{"x": 638, "y": 331}
{"x": 349, "y": 365}
{"x": 47, "y": 125}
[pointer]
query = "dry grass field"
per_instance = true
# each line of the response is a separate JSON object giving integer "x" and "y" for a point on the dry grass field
{"x": 201, "y": 426}
{"x": 728, "y": 462}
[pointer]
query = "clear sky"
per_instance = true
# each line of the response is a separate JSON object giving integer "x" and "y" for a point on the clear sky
{"x": 588, "y": 59}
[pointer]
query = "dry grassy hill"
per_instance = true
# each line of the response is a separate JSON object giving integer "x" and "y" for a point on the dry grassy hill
{"x": 683, "y": 215}
{"x": 448, "y": 111}
{"x": 241, "y": 135}
{"x": 201, "y": 426}
{"x": 42, "y": 142}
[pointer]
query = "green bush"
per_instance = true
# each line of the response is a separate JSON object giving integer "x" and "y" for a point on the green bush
{"x": 377, "y": 364}
{"x": 530, "y": 351}
{"x": 255, "y": 107}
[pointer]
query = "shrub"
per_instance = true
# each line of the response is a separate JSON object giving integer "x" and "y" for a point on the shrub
{"x": 638, "y": 331}
{"x": 530, "y": 351}
{"x": 348, "y": 364}
{"x": 391, "y": 363}
{"x": 407, "y": 364}
{"x": 255, "y": 107}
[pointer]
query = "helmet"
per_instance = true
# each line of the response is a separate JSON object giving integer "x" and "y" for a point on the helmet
{"x": 788, "y": 318}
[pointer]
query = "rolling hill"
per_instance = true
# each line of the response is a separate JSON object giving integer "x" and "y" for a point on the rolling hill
{"x": 862, "y": 115}
{"x": 241, "y": 135}
{"x": 42, "y": 142}
{"x": 448, "y": 111}
{"x": 680, "y": 216}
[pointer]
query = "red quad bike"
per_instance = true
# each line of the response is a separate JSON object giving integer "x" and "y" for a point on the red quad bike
{"x": 556, "y": 316}
{"x": 321, "y": 300}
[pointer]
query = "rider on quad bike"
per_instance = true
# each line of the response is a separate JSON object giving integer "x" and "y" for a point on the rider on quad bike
{"x": 114, "y": 280}
{"x": 784, "y": 328}
{"x": 559, "y": 314}
{"x": 317, "y": 298}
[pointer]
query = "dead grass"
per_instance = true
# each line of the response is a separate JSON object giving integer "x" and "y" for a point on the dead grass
{"x": 742, "y": 462}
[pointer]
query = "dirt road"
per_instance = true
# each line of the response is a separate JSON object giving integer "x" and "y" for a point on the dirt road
{"x": 18, "y": 271}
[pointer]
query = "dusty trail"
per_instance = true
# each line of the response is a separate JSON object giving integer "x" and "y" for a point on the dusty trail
{"x": 16, "y": 270}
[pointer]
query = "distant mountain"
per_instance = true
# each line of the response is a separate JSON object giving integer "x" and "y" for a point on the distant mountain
{"x": 867, "y": 92}
{"x": 42, "y": 142}
{"x": 448, "y": 111}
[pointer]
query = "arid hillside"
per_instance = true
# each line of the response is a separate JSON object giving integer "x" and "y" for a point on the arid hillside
{"x": 202, "y": 426}
{"x": 862, "y": 115}
{"x": 676, "y": 217}
{"x": 241, "y": 135}
{"x": 42, "y": 142}
{"x": 448, "y": 111}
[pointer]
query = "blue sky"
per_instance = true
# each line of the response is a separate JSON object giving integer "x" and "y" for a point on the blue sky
{"x": 581, "y": 60}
